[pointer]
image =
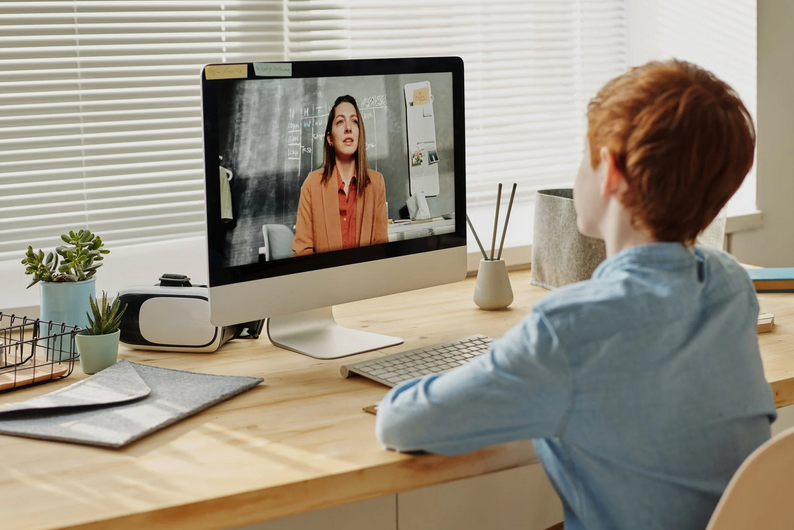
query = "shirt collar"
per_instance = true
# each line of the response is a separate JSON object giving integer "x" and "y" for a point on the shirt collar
{"x": 339, "y": 182}
{"x": 661, "y": 256}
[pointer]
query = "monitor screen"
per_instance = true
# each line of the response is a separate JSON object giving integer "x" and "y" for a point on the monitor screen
{"x": 328, "y": 182}
{"x": 284, "y": 147}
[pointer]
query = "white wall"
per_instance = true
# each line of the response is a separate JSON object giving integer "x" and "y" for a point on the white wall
{"x": 773, "y": 244}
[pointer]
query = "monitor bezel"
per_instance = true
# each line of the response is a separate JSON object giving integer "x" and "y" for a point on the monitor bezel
{"x": 220, "y": 275}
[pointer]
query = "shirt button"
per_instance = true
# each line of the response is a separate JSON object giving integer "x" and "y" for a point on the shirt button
{"x": 344, "y": 218}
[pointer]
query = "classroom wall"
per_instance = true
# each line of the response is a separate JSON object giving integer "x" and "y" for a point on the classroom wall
{"x": 773, "y": 244}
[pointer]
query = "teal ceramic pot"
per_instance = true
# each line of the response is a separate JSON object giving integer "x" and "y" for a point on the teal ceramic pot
{"x": 64, "y": 303}
{"x": 97, "y": 352}
{"x": 67, "y": 302}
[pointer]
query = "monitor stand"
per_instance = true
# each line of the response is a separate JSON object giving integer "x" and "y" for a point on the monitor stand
{"x": 316, "y": 333}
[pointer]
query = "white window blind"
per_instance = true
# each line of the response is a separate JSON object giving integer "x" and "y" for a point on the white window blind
{"x": 530, "y": 68}
{"x": 100, "y": 115}
{"x": 100, "y": 100}
{"x": 719, "y": 35}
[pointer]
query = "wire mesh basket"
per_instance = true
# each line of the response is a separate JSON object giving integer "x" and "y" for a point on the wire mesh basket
{"x": 34, "y": 351}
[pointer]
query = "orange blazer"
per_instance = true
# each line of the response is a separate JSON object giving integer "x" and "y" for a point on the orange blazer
{"x": 318, "y": 228}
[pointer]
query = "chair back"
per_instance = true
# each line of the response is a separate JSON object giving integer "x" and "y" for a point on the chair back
{"x": 278, "y": 241}
{"x": 761, "y": 492}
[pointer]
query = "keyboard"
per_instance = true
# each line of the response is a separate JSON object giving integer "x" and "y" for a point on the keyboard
{"x": 393, "y": 369}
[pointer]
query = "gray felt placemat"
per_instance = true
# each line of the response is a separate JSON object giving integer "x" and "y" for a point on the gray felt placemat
{"x": 118, "y": 384}
{"x": 173, "y": 395}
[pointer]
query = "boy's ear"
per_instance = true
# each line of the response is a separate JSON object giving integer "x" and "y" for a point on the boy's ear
{"x": 613, "y": 181}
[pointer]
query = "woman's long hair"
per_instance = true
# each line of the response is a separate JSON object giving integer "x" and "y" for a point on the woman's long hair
{"x": 329, "y": 153}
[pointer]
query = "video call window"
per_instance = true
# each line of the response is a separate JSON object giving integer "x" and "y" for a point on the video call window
{"x": 316, "y": 165}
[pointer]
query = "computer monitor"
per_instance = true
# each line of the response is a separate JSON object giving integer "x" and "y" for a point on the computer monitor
{"x": 282, "y": 165}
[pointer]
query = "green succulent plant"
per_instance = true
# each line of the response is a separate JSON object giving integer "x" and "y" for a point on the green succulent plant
{"x": 79, "y": 259}
{"x": 106, "y": 316}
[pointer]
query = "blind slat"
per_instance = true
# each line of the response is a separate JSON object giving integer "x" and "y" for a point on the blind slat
{"x": 100, "y": 113}
{"x": 529, "y": 71}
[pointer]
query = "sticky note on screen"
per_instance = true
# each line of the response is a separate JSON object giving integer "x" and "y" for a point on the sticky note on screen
{"x": 422, "y": 96}
{"x": 226, "y": 71}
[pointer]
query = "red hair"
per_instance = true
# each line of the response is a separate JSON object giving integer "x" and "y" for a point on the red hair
{"x": 683, "y": 140}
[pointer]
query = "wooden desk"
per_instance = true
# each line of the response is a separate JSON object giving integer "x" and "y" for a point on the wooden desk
{"x": 296, "y": 443}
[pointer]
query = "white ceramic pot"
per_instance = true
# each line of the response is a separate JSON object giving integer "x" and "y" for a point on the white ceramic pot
{"x": 492, "y": 289}
{"x": 97, "y": 352}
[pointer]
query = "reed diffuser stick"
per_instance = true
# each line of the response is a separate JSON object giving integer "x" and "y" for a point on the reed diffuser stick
{"x": 477, "y": 239}
{"x": 496, "y": 220}
{"x": 507, "y": 220}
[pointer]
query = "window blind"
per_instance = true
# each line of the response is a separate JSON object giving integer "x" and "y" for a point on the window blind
{"x": 530, "y": 68}
{"x": 720, "y": 35}
{"x": 100, "y": 115}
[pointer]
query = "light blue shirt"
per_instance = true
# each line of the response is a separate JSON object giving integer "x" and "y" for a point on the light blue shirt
{"x": 642, "y": 390}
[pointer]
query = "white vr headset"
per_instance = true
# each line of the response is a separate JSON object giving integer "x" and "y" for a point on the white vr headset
{"x": 175, "y": 316}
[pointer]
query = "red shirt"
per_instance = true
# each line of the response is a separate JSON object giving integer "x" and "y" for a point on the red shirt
{"x": 347, "y": 211}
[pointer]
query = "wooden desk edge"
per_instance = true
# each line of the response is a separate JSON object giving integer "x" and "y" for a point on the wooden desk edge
{"x": 783, "y": 391}
{"x": 271, "y": 503}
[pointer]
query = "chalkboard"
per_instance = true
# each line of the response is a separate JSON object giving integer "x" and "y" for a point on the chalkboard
{"x": 271, "y": 134}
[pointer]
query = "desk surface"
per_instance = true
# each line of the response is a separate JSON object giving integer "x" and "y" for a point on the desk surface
{"x": 296, "y": 443}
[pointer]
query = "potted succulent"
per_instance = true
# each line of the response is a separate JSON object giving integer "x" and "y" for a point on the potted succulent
{"x": 66, "y": 276}
{"x": 98, "y": 343}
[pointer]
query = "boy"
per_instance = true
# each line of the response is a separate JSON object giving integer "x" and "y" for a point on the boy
{"x": 642, "y": 388}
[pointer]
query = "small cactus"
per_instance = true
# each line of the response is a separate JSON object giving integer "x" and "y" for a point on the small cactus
{"x": 106, "y": 316}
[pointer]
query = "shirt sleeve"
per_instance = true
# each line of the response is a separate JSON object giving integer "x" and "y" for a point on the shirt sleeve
{"x": 521, "y": 389}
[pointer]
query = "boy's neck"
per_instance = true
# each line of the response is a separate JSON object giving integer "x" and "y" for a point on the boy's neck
{"x": 617, "y": 231}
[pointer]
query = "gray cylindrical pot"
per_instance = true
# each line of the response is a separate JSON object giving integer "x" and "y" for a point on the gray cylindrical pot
{"x": 560, "y": 253}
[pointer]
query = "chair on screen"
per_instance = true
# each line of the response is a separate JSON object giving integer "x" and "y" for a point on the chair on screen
{"x": 278, "y": 242}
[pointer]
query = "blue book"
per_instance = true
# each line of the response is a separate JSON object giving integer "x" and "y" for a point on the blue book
{"x": 773, "y": 279}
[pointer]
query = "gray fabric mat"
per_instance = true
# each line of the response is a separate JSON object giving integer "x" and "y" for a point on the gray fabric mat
{"x": 119, "y": 404}
{"x": 118, "y": 384}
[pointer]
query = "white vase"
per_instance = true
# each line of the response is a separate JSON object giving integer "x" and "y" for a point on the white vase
{"x": 97, "y": 352}
{"x": 492, "y": 289}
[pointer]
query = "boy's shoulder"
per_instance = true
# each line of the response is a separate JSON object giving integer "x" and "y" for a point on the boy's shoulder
{"x": 602, "y": 306}
{"x": 733, "y": 277}
{"x": 588, "y": 310}
{"x": 576, "y": 298}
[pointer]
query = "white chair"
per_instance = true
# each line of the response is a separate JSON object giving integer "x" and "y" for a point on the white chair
{"x": 761, "y": 492}
{"x": 278, "y": 242}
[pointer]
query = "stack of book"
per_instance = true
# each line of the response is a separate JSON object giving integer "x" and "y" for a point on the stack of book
{"x": 773, "y": 279}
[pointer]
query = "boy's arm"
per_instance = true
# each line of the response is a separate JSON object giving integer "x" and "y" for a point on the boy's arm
{"x": 521, "y": 389}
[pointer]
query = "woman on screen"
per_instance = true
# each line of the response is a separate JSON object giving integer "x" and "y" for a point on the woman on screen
{"x": 342, "y": 204}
